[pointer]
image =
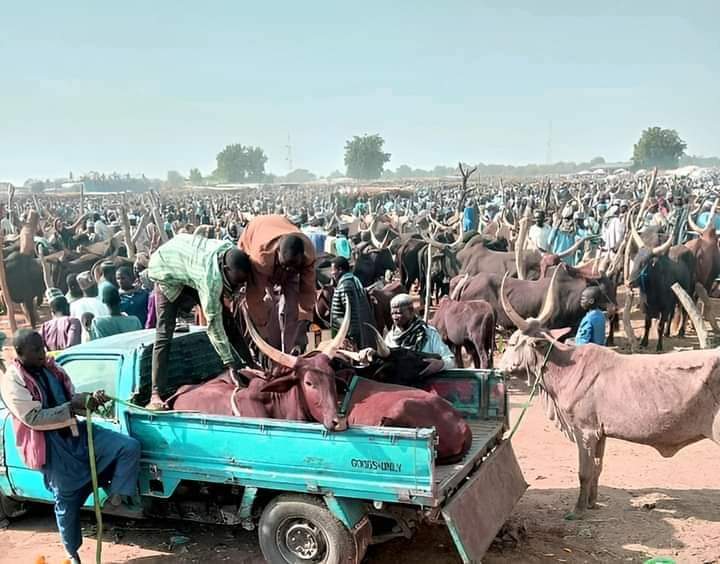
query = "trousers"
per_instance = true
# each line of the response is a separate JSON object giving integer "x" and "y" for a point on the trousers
{"x": 167, "y": 314}
{"x": 117, "y": 478}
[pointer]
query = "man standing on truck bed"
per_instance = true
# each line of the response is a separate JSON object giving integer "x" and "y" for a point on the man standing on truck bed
{"x": 43, "y": 403}
{"x": 282, "y": 257}
{"x": 191, "y": 270}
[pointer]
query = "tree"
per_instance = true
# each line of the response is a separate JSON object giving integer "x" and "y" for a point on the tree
{"x": 597, "y": 161}
{"x": 240, "y": 163}
{"x": 364, "y": 157}
{"x": 658, "y": 147}
{"x": 175, "y": 179}
{"x": 299, "y": 175}
{"x": 195, "y": 176}
{"x": 335, "y": 174}
{"x": 404, "y": 171}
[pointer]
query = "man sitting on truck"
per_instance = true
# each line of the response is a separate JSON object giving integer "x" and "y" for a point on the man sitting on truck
{"x": 41, "y": 398}
{"x": 189, "y": 270}
{"x": 411, "y": 332}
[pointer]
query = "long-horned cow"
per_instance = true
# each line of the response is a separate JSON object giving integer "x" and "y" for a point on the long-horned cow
{"x": 305, "y": 392}
{"x": 665, "y": 401}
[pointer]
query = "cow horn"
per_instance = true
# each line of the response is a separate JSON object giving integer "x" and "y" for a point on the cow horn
{"x": 433, "y": 243}
{"x": 694, "y": 226}
{"x": 711, "y": 217}
{"x": 382, "y": 349}
{"x": 277, "y": 356}
{"x": 548, "y": 307}
{"x": 520, "y": 249}
{"x": 513, "y": 315}
{"x": 662, "y": 249}
{"x": 636, "y": 236}
{"x": 573, "y": 249}
{"x": 332, "y": 347}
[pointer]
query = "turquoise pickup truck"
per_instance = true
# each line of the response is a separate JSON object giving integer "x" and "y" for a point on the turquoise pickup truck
{"x": 313, "y": 496}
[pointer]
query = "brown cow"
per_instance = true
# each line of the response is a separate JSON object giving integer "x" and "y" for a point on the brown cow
{"x": 307, "y": 391}
{"x": 387, "y": 405}
{"x": 469, "y": 324}
{"x": 665, "y": 401}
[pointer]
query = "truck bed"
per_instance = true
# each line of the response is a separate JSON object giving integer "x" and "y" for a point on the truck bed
{"x": 447, "y": 478}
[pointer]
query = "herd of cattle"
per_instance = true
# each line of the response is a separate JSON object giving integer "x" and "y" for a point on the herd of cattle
{"x": 482, "y": 283}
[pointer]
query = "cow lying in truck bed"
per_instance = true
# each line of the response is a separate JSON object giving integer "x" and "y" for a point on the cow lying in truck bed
{"x": 306, "y": 391}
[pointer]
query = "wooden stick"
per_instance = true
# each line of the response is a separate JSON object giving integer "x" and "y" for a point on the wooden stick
{"x": 427, "y": 282}
{"x": 9, "y": 305}
{"x": 707, "y": 306}
{"x": 686, "y": 301}
{"x": 129, "y": 243}
{"x": 629, "y": 331}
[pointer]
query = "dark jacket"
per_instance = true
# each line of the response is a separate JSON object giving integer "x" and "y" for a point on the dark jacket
{"x": 350, "y": 290}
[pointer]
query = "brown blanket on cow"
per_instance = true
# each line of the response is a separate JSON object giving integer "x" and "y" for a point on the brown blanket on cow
{"x": 386, "y": 405}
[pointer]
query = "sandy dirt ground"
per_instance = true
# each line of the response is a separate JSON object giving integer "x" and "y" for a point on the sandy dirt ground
{"x": 650, "y": 506}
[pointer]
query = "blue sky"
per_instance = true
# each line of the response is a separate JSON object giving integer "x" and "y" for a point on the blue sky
{"x": 148, "y": 87}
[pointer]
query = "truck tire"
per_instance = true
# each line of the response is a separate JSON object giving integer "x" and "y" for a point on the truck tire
{"x": 8, "y": 510}
{"x": 300, "y": 529}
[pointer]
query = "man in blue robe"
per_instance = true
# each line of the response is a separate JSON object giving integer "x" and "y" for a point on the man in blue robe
{"x": 42, "y": 400}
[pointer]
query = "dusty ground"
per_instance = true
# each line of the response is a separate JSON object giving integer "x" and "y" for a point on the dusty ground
{"x": 650, "y": 506}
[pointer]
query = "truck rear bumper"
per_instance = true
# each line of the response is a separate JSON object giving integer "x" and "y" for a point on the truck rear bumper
{"x": 477, "y": 511}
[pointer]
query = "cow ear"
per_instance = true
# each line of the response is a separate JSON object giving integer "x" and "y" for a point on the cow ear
{"x": 560, "y": 334}
{"x": 280, "y": 385}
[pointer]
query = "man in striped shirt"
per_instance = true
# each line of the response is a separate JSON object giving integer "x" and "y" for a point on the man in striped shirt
{"x": 349, "y": 291}
{"x": 189, "y": 270}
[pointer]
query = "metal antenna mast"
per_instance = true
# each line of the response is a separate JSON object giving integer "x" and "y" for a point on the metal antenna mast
{"x": 548, "y": 152}
{"x": 288, "y": 157}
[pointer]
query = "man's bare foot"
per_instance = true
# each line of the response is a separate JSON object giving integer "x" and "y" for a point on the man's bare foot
{"x": 156, "y": 404}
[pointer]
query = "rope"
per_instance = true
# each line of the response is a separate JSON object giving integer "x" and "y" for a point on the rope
{"x": 532, "y": 392}
{"x": 93, "y": 466}
{"x": 93, "y": 475}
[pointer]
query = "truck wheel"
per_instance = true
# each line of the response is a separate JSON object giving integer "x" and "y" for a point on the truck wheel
{"x": 300, "y": 529}
{"x": 9, "y": 509}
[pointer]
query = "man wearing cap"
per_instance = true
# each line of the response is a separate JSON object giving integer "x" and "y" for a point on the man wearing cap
{"x": 89, "y": 303}
{"x": 411, "y": 332}
{"x": 190, "y": 271}
{"x": 563, "y": 235}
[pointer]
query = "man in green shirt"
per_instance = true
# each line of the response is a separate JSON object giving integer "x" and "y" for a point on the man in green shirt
{"x": 189, "y": 270}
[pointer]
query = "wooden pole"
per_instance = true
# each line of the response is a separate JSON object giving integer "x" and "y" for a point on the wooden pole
{"x": 428, "y": 278}
{"x": 707, "y": 306}
{"x": 9, "y": 305}
{"x": 629, "y": 331}
{"x": 129, "y": 243}
{"x": 686, "y": 301}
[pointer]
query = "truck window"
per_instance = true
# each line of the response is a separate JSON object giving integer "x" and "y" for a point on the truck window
{"x": 90, "y": 374}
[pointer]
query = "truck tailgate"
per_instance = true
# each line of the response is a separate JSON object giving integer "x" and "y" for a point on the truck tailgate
{"x": 477, "y": 511}
{"x": 449, "y": 477}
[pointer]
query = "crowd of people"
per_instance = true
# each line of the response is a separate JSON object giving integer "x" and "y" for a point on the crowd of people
{"x": 260, "y": 247}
